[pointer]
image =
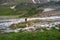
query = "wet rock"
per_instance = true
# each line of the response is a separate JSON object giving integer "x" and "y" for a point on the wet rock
{"x": 42, "y": 30}
{"x": 48, "y": 28}
{"x": 57, "y": 28}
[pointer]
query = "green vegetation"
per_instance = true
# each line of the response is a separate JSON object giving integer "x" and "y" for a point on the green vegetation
{"x": 32, "y": 12}
{"x": 37, "y": 35}
{"x": 21, "y": 25}
{"x": 22, "y": 10}
{"x": 23, "y": 13}
{"x": 7, "y": 11}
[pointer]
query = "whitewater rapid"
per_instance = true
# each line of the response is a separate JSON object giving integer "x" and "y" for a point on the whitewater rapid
{"x": 6, "y": 23}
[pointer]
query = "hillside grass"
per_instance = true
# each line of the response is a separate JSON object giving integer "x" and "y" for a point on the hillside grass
{"x": 37, "y": 35}
{"x": 23, "y": 13}
{"x": 32, "y": 12}
{"x": 20, "y": 10}
{"x": 8, "y": 11}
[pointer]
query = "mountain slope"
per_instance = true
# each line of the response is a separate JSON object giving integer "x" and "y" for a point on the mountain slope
{"x": 15, "y": 1}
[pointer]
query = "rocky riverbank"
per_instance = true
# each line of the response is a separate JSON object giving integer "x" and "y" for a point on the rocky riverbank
{"x": 48, "y": 12}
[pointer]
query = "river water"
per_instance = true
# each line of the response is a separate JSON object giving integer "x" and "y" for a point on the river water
{"x": 6, "y": 23}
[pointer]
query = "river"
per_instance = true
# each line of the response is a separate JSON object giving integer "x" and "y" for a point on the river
{"x": 6, "y": 23}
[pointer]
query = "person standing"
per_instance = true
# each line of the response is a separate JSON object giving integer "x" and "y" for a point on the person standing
{"x": 26, "y": 20}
